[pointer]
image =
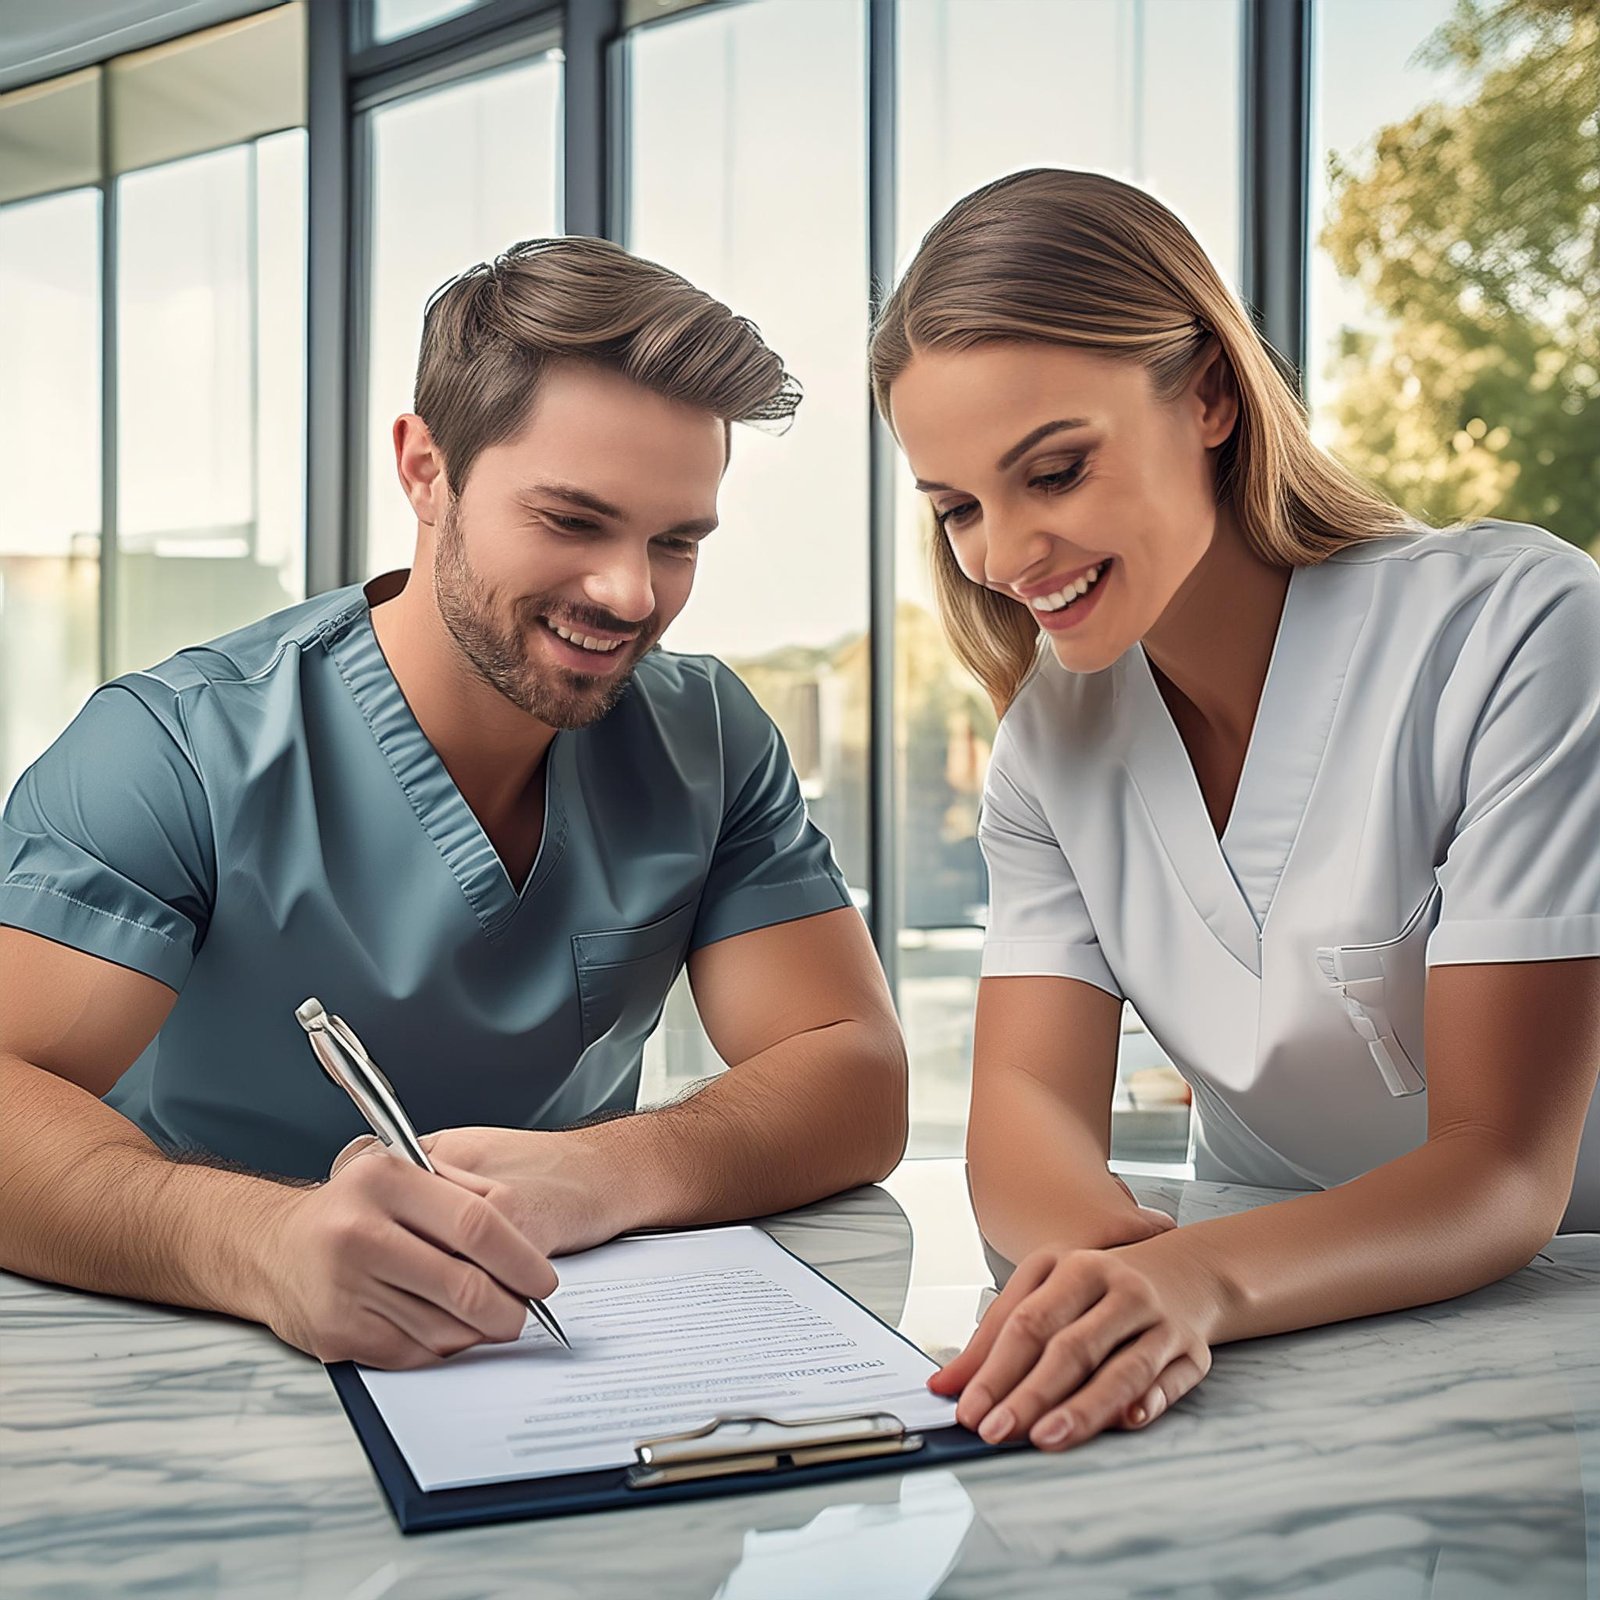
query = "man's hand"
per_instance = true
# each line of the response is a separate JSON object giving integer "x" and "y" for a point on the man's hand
{"x": 555, "y": 1187}
{"x": 396, "y": 1267}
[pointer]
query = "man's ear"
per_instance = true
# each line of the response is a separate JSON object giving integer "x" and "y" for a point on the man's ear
{"x": 420, "y": 466}
{"x": 1216, "y": 391}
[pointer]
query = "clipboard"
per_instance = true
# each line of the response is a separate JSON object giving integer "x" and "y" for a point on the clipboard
{"x": 726, "y": 1455}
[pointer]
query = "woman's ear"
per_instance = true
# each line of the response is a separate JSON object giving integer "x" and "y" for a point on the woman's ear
{"x": 1217, "y": 394}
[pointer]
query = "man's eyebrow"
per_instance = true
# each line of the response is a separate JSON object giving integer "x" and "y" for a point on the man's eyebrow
{"x": 604, "y": 508}
{"x": 1019, "y": 449}
{"x": 574, "y": 496}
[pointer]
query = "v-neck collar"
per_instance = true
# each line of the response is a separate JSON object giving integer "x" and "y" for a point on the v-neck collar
{"x": 426, "y": 782}
{"x": 1232, "y": 881}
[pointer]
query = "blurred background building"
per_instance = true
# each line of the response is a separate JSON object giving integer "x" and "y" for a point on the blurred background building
{"x": 219, "y": 223}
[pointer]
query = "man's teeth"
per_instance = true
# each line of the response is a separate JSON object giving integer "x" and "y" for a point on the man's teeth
{"x": 1065, "y": 597}
{"x": 584, "y": 641}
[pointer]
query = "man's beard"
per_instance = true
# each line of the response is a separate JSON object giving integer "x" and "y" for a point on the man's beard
{"x": 556, "y": 696}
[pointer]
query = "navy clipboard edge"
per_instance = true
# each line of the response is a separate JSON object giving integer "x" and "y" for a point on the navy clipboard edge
{"x": 419, "y": 1510}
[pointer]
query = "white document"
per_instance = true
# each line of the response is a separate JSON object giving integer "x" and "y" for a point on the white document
{"x": 668, "y": 1331}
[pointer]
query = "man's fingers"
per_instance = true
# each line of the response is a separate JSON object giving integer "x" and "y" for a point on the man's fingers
{"x": 461, "y": 1291}
{"x": 451, "y": 1215}
{"x": 424, "y": 1323}
{"x": 358, "y": 1146}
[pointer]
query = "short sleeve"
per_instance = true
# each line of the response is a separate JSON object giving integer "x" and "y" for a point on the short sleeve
{"x": 771, "y": 863}
{"x": 1039, "y": 925}
{"x": 105, "y": 842}
{"x": 1521, "y": 877}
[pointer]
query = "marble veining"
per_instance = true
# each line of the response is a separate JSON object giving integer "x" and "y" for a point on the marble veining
{"x": 1450, "y": 1450}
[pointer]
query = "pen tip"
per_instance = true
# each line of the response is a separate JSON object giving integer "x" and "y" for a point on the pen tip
{"x": 309, "y": 1013}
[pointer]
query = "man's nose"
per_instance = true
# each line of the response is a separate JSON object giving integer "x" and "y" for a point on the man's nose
{"x": 623, "y": 586}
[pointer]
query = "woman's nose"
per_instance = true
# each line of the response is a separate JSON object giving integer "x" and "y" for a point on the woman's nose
{"x": 1014, "y": 549}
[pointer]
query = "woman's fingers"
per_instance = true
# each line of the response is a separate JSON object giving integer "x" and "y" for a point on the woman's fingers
{"x": 1121, "y": 1384}
{"x": 1069, "y": 1357}
{"x": 1066, "y": 1294}
{"x": 955, "y": 1375}
{"x": 1178, "y": 1378}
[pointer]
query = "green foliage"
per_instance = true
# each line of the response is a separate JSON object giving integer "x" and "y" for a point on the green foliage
{"x": 1474, "y": 228}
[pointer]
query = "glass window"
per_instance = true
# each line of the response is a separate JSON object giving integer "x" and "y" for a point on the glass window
{"x": 486, "y": 153}
{"x": 392, "y": 19}
{"x": 772, "y": 220}
{"x": 989, "y": 87}
{"x": 210, "y": 325}
{"x": 1454, "y": 279}
{"x": 50, "y": 512}
{"x": 208, "y": 158}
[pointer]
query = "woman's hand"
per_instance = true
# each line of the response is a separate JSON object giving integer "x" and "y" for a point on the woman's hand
{"x": 1079, "y": 1341}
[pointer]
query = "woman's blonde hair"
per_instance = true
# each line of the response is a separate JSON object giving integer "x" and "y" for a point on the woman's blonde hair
{"x": 1081, "y": 259}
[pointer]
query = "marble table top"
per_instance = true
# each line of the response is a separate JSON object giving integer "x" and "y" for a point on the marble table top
{"x": 1452, "y": 1450}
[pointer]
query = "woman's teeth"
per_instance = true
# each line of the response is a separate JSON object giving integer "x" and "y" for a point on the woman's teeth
{"x": 584, "y": 641}
{"x": 1065, "y": 597}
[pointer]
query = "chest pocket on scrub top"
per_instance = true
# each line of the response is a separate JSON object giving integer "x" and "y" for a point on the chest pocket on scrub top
{"x": 623, "y": 978}
{"x": 1381, "y": 987}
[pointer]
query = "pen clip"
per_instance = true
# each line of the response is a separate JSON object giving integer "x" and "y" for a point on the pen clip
{"x": 345, "y": 1060}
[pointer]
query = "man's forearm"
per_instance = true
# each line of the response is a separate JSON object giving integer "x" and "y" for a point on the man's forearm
{"x": 1038, "y": 1172}
{"x": 1440, "y": 1221}
{"x": 86, "y": 1199}
{"x": 820, "y": 1112}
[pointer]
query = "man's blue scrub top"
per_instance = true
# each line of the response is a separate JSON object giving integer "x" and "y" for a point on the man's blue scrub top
{"x": 261, "y": 819}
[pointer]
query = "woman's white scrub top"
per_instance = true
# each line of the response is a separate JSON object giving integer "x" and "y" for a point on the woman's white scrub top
{"x": 261, "y": 819}
{"x": 1422, "y": 788}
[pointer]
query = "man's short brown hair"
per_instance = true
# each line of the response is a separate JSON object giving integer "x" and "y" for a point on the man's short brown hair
{"x": 489, "y": 334}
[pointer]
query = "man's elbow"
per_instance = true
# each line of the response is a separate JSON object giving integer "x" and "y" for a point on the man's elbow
{"x": 885, "y": 1120}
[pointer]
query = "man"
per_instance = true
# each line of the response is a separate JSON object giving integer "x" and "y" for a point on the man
{"x": 476, "y": 812}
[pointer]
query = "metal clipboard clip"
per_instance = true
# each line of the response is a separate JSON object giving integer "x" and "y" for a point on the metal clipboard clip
{"x": 761, "y": 1444}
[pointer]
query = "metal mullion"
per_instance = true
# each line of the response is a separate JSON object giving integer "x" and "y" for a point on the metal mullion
{"x": 1277, "y": 155}
{"x": 109, "y": 370}
{"x": 332, "y": 261}
{"x": 590, "y": 30}
{"x": 883, "y": 857}
{"x": 465, "y": 34}
{"x": 619, "y": 135}
{"x": 519, "y": 40}
{"x": 252, "y": 270}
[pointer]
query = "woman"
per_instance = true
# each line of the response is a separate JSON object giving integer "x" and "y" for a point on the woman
{"x": 1275, "y": 763}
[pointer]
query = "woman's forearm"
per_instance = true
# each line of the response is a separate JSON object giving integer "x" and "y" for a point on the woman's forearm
{"x": 1038, "y": 1171}
{"x": 1444, "y": 1219}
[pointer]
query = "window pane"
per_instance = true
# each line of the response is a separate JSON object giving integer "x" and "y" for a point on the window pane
{"x": 486, "y": 155}
{"x": 719, "y": 176}
{"x": 392, "y": 18}
{"x": 989, "y": 87}
{"x": 211, "y": 409}
{"x": 1454, "y": 277}
{"x": 50, "y": 512}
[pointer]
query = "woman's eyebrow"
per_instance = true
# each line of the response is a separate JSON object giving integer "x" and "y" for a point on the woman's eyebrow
{"x": 1019, "y": 449}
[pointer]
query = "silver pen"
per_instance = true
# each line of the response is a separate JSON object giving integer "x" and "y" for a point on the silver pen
{"x": 345, "y": 1060}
